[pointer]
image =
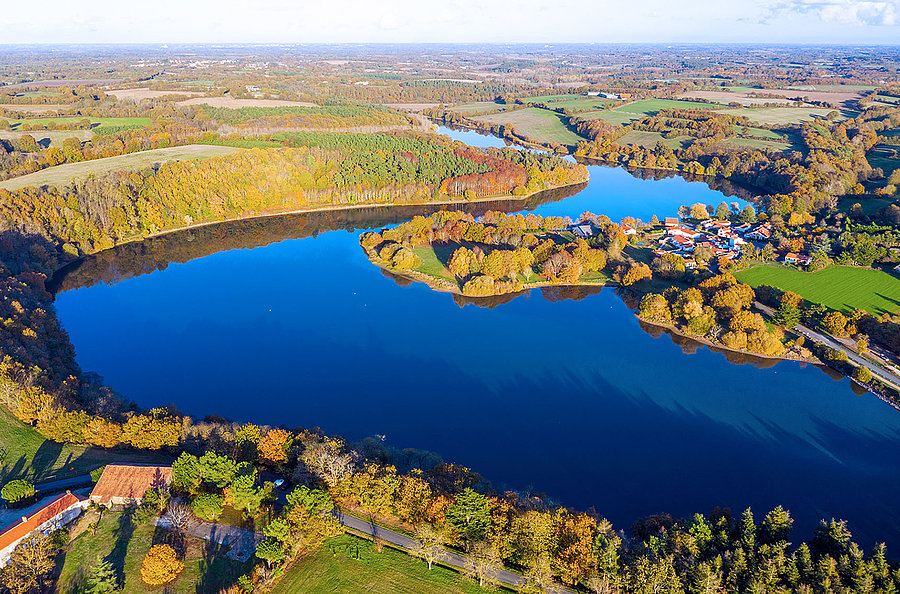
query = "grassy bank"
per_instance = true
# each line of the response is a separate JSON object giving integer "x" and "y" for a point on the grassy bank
{"x": 347, "y": 564}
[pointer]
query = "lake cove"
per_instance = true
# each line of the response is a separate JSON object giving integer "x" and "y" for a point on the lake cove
{"x": 284, "y": 321}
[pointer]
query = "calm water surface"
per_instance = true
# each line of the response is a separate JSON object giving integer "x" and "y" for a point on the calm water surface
{"x": 563, "y": 396}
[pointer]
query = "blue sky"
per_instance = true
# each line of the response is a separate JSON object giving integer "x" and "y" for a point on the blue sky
{"x": 305, "y": 21}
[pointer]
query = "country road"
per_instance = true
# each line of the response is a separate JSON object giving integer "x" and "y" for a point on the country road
{"x": 883, "y": 374}
{"x": 507, "y": 578}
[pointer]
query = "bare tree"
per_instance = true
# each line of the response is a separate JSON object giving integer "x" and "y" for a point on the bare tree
{"x": 177, "y": 514}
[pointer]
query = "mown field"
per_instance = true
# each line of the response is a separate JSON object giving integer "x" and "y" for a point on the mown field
{"x": 839, "y": 287}
{"x": 24, "y": 453}
{"x": 63, "y": 174}
{"x": 125, "y": 544}
{"x": 479, "y": 107}
{"x": 49, "y": 137}
{"x": 650, "y": 107}
{"x": 347, "y": 564}
{"x": 586, "y": 103}
{"x": 95, "y": 122}
{"x": 756, "y": 143}
{"x": 538, "y": 124}
{"x": 612, "y": 116}
{"x": 650, "y": 139}
{"x": 783, "y": 115}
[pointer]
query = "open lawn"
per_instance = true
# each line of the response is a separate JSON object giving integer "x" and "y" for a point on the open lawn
{"x": 585, "y": 103}
{"x": 755, "y": 143}
{"x": 650, "y": 107}
{"x": 538, "y": 124}
{"x": 347, "y": 564}
{"x": 95, "y": 122}
{"x": 479, "y": 107}
{"x": 550, "y": 98}
{"x": 63, "y": 174}
{"x": 49, "y": 137}
{"x": 839, "y": 287}
{"x": 125, "y": 543}
{"x": 784, "y": 115}
{"x": 649, "y": 139}
{"x": 882, "y": 156}
{"x": 24, "y": 453}
{"x": 612, "y": 116}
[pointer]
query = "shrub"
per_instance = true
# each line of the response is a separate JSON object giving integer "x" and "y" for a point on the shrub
{"x": 160, "y": 566}
{"x": 17, "y": 490}
{"x": 207, "y": 506}
{"x": 862, "y": 375}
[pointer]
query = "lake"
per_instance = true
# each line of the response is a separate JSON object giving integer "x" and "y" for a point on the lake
{"x": 562, "y": 392}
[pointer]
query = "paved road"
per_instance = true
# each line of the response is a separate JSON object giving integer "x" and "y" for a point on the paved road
{"x": 881, "y": 373}
{"x": 69, "y": 483}
{"x": 450, "y": 558}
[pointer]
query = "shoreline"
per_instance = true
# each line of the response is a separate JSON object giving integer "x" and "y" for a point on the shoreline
{"x": 432, "y": 283}
{"x": 310, "y": 210}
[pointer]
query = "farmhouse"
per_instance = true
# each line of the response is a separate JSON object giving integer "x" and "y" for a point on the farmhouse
{"x": 802, "y": 259}
{"x": 583, "y": 231}
{"x": 670, "y": 221}
{"x": 55, "y": 514}
{"x": 628, "y": 230}
{"x": 684, "y": 232}
{"x": 122, "y": 484}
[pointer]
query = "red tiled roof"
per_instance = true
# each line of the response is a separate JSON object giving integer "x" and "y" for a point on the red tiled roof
{"x": 129, "y": 481}
{"x": 14, "y": 532}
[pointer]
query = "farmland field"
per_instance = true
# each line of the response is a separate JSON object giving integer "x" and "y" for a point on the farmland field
{"x": 95, "y": 122}
{"x": 346, "y": 564}
{"x": 34, "y": 108}
{"x": 550, "y": 98}
{"x": 839, "y": 287}
{"x": 651, "y": 107}
{"x": 612, "y": 116}
{"x": 586, "y": 103}
{"x": 146, "y": 93}
{"x": 756, "y": 143}
{"x": 478, "y": 107}
{"x": 62, "y": 174}
{"x": 784, "y": 115}
{"x": 649, "y": 139}
{"x": 538, "y": 124}
{"x": 231, "y": 102}
{"x": 54, "y": 137}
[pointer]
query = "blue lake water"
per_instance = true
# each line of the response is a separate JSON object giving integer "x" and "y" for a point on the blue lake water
{"x": 568, "y": 397}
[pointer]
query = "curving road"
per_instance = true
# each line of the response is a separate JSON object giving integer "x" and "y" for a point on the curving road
{"x": 881, "y": 373}
{"x": 449, "y": 558}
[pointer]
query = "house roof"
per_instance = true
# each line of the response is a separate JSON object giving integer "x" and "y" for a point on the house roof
{"x": 33, "y": 521}
{"x": 129, "y": 481}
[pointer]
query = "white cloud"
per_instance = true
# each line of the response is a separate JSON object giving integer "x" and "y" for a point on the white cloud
{"x": 452, "y": 20}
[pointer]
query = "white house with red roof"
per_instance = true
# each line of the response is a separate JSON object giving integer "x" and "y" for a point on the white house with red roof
{"x": 51, "y": 516}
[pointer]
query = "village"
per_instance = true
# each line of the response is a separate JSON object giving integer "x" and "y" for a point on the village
{"x": 703, "y": 241}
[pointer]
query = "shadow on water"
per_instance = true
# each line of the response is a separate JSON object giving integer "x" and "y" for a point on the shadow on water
{"x": 150, "y": 255}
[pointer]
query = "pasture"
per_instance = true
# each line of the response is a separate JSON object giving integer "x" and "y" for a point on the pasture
{"x": 19, "y": 125}
{"x": 756, "y": 143}
{"x": 147, "y": 93}
{"x": 63, "y": 174}
{"x": 34, "y": 108}
{"x": 550, "y": 98}
{"x": 784, "y": 115}
{"x": 585, "y": 103}
{"x": 843, "y": 288}
{"x": 612, "y": 116}
{"x": 537, "y": 124}
{"x": 49, "y": 137}
{"x": 650, "y": 139}
{"x": 651, "y": 107}
{"x": 479, "y": 107}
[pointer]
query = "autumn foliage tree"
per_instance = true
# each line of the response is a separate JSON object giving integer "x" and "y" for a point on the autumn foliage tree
{"x": 161, "y": 565}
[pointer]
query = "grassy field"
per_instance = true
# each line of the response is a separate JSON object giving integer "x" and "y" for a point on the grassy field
{"x": 650, "y": 107}
{"x": 586, "y": 103}
{"x": 551, "y": 98}
{"x": 538, "y": 124}
{"x": 782, "y": 115}
{"x": 611, "y": 116}
{"x": 26, "y": 454}
{"x": 124, "y": 544}
{"x": 649, "y": 139}
{"x": 838, "y": 287}
{"x": 881, "y": 156}
{"x": 755, "y": 143}
{"x": 95, "y": 122}
{"x": 49, "y": 137}
{"x": 835, "y": 88}
{"x": 346, "y": 564}
{"x": 479, "y": 107}
{"x": 63, "y": 174}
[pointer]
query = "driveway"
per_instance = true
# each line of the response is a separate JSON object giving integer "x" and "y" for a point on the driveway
{"x": 242, "y": 542}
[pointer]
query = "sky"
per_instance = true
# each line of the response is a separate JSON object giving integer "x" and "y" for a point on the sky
{"x": 404, "y": 21}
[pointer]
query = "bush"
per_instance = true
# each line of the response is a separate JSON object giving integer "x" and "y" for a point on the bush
{"x": 160, "y": 566}
{"x": 207, "y": 506}
{"x": 96, "y": 473}
{"x": 17, "y": 490}
{"x": 862, "y": 375}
